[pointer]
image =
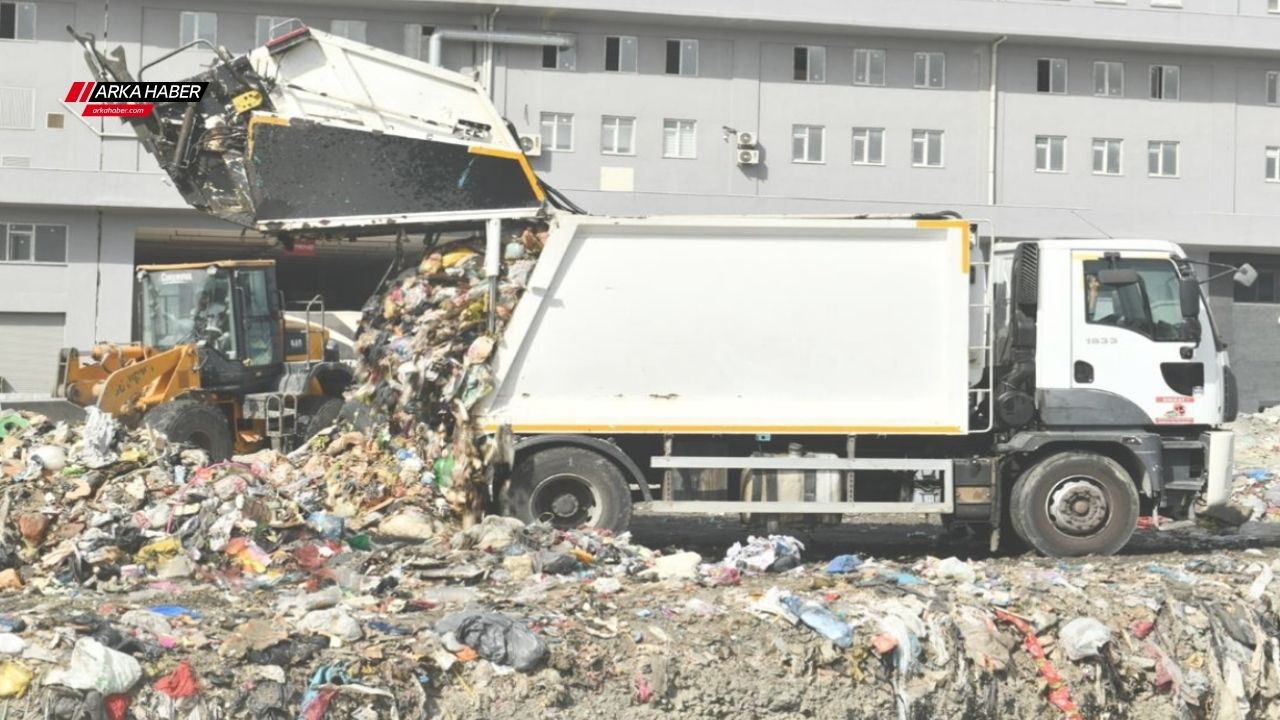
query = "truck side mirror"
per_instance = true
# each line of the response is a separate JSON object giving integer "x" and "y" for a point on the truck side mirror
{"x": 1119, "y": 276}
{"x": 1189, "y": 296}
{"x": 1245, "y": 275}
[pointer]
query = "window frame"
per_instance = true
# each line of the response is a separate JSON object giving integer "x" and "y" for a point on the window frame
{"x": 869, "y": 53}
{"x": 636, "y": 60}
{"x": 555, "y": 125}
{"x": 1106, "y": 146}
{"x": 928, "y": 56}
{"x": 681, "y": 70}
{"x": 1048, "y": 153}
{"x": 923, "y": 134}
{"x": 1177, "y": 158}
{"x": 604, "y": 119}
{"x": 364, "y": 31}
{"x": 1164, "y": 83}
{"x": 196, "y": 27}
{"x": 1091, "y": 267}
{"x": 1271, "y": 155}
{"x": 1065, "y": 78}
{"x": 1271, "y": 90}
{"x": 560, "y": 53}
{"x": 275, "y": 21}
{"x": 693, "y": 135}
{"x": 867, "y": 145}
{"x": 813, "y": 54}
{"x": 1105, "y": 66}
{"x": 34, "y": 234}
{"x": 1273, "y": 6}
{"x": 807, "y": 129}
{"x": 19, "y": 5}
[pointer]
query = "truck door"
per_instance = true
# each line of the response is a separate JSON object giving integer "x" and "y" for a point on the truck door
{"x": 1129, "y": 337}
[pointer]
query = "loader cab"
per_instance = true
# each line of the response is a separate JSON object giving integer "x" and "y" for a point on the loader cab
{"x": 230, "y": 311}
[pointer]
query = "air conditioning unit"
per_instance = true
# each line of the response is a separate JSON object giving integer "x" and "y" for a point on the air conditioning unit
{"x": 747, "y": 139}
{"x": 748, "y": 156}
{"x": 531, "y": 145}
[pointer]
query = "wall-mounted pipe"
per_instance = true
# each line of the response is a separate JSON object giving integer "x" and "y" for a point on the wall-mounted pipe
{"x": 991, "y": 140}
{"x": 435, "y": 42}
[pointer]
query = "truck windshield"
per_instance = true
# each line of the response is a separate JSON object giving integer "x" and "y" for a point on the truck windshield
{"x": 188, "y": 306}
{"x": 1150, "y": 307}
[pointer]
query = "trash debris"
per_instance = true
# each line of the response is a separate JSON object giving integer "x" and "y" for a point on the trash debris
{"x": 1083, "y": 638}
{"x": 775, "y": 553}
{"x": 496, "y": 637}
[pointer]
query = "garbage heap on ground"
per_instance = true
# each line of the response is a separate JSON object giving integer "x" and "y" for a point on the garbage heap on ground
{"x": 1256, "y": 488}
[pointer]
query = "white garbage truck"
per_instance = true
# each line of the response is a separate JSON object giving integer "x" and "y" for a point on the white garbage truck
{"x": 772, "y": 367}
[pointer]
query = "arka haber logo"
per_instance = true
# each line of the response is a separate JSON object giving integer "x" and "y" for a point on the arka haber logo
{"x": 131, "y": 99}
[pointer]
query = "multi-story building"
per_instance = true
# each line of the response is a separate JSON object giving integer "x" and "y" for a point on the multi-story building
{"x": 1086, "y": 118}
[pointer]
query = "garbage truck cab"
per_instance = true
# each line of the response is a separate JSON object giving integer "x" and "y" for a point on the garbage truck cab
{"x": 1108, "y": 348}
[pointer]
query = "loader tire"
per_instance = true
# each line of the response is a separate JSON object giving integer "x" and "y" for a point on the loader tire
{"x": 1075, "y": 503}
{"x": 318, "y": 412}
{"x": 191, "y": 422}
{"x": 569, "y": 487}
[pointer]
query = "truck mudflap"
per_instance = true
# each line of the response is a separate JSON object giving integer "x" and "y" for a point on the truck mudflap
{"x": 1218, "y": 444}
{"x": 382, "y": 140}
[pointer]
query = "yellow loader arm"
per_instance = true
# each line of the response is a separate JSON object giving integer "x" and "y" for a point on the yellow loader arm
{"x": 129, "y": 379}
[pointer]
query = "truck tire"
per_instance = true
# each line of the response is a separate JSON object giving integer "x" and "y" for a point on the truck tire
{"x": 569, "y": 487}
{"x": 1075, "y": 503}
{"x": 191, "y": 422}
{"x": 317, "y": 413}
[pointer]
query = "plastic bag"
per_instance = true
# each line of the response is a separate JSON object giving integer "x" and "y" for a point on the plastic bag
{"x": 821, "y": 620}
{"x": 95, "y": 666}
{"x": 1084, "y": 637}
{"x": 496, "y": 637}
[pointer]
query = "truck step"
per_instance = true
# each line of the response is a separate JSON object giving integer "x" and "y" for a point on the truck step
{"x": 1181, "y": 444}
{"x": 1185, "y": 485}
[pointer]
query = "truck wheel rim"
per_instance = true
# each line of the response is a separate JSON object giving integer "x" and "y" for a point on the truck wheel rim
{"x": 1078, "y": 506}
{"x": 566, "y": 500}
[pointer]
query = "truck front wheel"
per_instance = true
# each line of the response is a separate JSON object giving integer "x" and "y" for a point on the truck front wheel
{"x": 1075, "y": 503}
{"x": 191, "y": 422}
{"x": 569, "y": 487}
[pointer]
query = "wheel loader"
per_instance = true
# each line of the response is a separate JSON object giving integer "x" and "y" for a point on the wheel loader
{"x": 216, "y": 366}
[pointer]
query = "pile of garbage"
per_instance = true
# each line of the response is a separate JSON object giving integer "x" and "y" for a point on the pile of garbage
{"x": 1256, "y": 487}
{"x": 425, "y": 346}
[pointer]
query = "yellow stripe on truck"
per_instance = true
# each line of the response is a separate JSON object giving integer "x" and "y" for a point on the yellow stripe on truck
{"x": 532, "y": 428}
{"x": 518, "y": 157}
{"x": 963, "y": 227}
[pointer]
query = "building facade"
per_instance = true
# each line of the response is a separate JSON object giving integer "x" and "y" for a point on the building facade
{"x": 1050, "y": 118}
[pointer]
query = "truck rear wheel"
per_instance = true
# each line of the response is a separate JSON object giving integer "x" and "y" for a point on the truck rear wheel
{"x": 191, "y": 422}
{"x": 569, "y": 487}
{"x": 1075, "y": 503}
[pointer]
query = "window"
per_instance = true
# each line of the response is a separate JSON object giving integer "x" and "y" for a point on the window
{"x": 926, "y": 148}
{"x": 270, "y": 27}
{"x": 17, "y": 108}
{"x": 1108, "y": 79}
{"x": 33, "y": 243}
{"x": 810, "y": 64}
{"x": 1051, "y": 152}
{"x": 557, "y": 131}
{"x": 1162, "y": 158}
{"x": 679, "y": 138}
{"x": 868, "y": 67}
{"x": 621, "y": 53}
{"x": 931, "y": 70}
{"x": 806, "y": 143}
{"x": 1164, "y": 82}
{"x": 349, "y": 29}
{"x": 17, "y": 21}
{"x": 1273, "y": 6}
{"x": 198, "y": 26}
{"x": 1149, "y": 307}
{"x": 868, "y": 146}
{"x": 617, "y": 135}
{"x": 1273, "y": 164}
{"x": 1273, "y": 88}
{"x": 682, "y": 57}
{"x": 559, "y": 58}
{"x": 1106, "y": 156}
{"x": 417, "y": 40}
{"x": 1051, "y": 76}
